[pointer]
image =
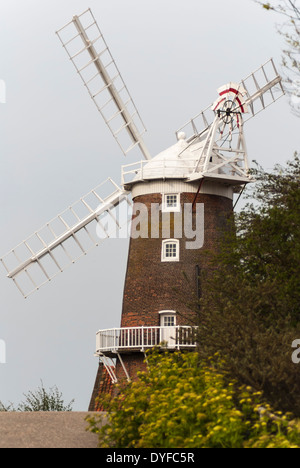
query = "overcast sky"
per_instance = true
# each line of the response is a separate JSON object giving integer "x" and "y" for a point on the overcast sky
{"x": 54, "y": 148}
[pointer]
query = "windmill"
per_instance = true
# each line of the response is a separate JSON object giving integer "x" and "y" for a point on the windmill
{"x": 203, "y": 169}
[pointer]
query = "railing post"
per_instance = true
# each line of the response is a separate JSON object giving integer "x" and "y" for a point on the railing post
{"x": 143, "y": 339}
{"x": 114, "y": 339}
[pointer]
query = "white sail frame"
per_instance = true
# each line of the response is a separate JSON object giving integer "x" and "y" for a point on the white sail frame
{"x": 91, "y": 56}
{"x": 64, "y": 239}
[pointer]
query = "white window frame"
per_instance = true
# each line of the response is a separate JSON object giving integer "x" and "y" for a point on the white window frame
{"x": 164, "y": 257}
{"x": 171, "y": 209}
{"x": 165, "y": 314}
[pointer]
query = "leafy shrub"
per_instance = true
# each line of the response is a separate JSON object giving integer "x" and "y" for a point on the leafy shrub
{"x": 40, "y": 400}
{"x": 179, "y": 403}
{"x": 44, "y": 400}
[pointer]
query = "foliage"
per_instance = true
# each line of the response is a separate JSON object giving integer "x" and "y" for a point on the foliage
{"x": 291, "y": 55}
{"x": 41, "y": 400}
{"x": 251, "y": 307}
{"x": 6, "y": 408}
{"x": 179, "y": 403}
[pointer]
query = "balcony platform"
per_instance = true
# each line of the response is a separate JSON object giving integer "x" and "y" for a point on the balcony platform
{"x": 134, "y": 339}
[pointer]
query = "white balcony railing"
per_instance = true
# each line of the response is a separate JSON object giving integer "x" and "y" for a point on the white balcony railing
{"x": 141, "y": 338}
{"x": 169, "y": 168}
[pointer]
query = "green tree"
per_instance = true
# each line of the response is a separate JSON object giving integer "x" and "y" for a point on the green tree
{"x": 250, "y": 311}
{"x": 182, "y": 403}
{"x": 6, "y": 408}
{"x": 41, "y": 400}
{"x": 44, "y": 400}
{"x": 290, "y": 31}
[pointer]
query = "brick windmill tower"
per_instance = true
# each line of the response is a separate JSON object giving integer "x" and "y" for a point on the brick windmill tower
{"x": 180, "y": 200}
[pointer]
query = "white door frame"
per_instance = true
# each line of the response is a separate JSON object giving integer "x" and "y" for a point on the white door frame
{"x": 168, "y": 332}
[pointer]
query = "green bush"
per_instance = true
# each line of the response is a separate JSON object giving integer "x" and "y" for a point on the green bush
{"x": 179, "y": 403}
{"x": 40, "y": 400}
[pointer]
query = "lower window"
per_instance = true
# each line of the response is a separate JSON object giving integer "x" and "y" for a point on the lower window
{"x": 170, "y": 250}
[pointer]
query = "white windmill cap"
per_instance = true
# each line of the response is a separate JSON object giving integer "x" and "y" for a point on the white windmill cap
{"x": 174, "y": 162}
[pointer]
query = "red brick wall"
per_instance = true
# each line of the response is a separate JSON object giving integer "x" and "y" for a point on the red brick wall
{"x": 103, "y": 386}
{"x": 133, "y": 363}
{"x": 152, "y": 285}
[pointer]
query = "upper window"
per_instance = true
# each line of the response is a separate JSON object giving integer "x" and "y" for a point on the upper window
{"x": 170, "y": 250}
{"x": 171, "y": 202}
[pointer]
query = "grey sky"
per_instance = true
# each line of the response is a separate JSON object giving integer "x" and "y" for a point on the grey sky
{"x": 55, "y": 147}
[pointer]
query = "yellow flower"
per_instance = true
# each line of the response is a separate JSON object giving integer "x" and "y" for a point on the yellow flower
{"x": 217, "y": 428}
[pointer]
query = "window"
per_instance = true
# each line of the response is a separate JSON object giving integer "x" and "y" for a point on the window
{"x": 171, "y": 202}
{"x": 167, "y": 318}
{"x": 169, "y": 321}
{"x": 170, "y": 250}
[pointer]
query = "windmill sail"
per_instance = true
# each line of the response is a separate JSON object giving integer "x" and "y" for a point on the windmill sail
{"x": 263, "y": 87}
{"x": 88, "y": 51}
{"x": 216, "y": 135}
{"x": 64, "y": 239}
